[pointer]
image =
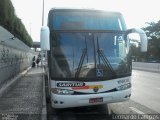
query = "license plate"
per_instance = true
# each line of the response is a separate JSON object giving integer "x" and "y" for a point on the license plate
{"x": 95, "y": 100}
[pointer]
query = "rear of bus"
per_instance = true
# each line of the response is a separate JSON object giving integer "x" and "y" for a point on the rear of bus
{"x": 89, "y": 58}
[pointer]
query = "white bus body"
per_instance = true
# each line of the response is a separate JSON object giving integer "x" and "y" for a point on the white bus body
{"x": 89, "y": 59}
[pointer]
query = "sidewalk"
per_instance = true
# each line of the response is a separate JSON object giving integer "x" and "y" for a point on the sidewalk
{"x": 24, "y": 100}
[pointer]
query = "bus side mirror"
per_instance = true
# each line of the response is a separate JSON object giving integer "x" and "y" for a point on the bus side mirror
{"x": 44, "y": 38}
{"x": 142, "y": 36}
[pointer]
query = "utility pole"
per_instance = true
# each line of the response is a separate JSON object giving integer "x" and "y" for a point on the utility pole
{"x": 43, "y": 13}
{"x": 43, "y": 61}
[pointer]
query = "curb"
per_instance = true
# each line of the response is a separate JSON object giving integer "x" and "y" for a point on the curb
{"x": 44, "y": 108}
{"x": 8, "y": 85}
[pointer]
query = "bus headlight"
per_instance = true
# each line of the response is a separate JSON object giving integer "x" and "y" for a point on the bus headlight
{"x": 61, "y": 91}
{"x": 123, "y": 87}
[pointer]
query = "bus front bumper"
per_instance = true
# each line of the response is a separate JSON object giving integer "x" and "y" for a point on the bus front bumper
{"x": 66, "y": 101}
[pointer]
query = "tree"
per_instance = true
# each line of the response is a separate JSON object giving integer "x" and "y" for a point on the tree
{"x": 12, "y": 23}
{"x": 153, "y": 34}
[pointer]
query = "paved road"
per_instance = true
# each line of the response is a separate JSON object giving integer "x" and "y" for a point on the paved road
{"x": 146, "y": 89}
{"x": 98, "y": 112}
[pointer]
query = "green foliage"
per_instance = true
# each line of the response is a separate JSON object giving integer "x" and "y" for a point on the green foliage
{"x": 137, "y": 55}
{"x": 153, "y": 33}
{"x": 153, "y": 53}
{"x": 153, "y": 30}
{"x": 12, "y": 23}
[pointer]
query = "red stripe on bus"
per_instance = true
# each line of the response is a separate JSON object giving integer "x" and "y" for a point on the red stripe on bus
{"x": 80, "y": 88}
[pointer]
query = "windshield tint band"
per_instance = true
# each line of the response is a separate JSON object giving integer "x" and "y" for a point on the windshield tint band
{"x": 88, "y": 31}
{"x": 82, "y": 20}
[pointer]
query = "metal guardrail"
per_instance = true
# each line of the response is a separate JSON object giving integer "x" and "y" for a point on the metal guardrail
{"x": 154, "y": 67}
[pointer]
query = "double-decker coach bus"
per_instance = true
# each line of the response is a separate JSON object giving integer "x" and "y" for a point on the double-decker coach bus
{"x": 89, "y": 57}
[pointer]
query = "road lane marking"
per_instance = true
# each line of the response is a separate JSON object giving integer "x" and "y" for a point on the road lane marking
{"x": 136, "y": 110}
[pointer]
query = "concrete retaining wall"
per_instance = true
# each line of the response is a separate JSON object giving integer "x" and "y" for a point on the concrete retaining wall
{"x": 154, "y": 67}
{"x": 15, "y": 56}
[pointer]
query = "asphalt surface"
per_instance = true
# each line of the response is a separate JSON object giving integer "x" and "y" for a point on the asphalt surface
{"x": 146, "y": 89}
{"x": 99, "y": 112}
{"x": 24, "y": 100}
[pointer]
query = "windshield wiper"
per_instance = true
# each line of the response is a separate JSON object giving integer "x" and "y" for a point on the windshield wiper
{"x": 104, "y": 58}
{"x": 81, "y": 62}
{"x": 84, "y": 53}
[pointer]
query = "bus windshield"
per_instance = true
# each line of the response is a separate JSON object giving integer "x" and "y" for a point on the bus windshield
{"x": 86, "y": 20}
{"x": 89, "y": 55}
